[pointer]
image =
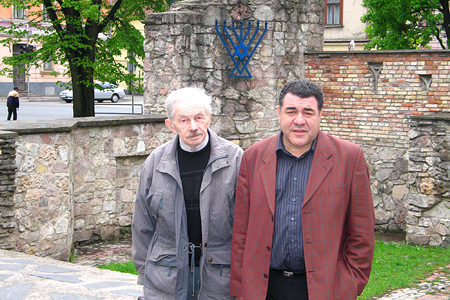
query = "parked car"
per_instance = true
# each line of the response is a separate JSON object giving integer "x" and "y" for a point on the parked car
{"x": 109, "y": 92}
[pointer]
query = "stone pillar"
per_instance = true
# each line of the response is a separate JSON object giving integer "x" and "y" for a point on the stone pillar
{"x": 428, "y": 219}
{"x": 183, "y": 49}
{"x": 7, "y": 188}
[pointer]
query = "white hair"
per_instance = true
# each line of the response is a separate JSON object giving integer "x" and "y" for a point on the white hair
{"x": 188, "y": 94}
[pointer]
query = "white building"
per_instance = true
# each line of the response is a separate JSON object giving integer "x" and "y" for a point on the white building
{"x": 343, "y": 25}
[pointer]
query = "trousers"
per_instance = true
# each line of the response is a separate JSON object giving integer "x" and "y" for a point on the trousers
{"x": 12, "y": 110}
{"x": 282, "y": 287}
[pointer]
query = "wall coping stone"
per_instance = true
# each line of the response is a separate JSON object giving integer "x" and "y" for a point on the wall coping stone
{"x": 8, "y": 134}
{"x": 378, "y": 52}
{"x": 66, "y": 125}
{"x": 173, "y": 17}
{"x": 436, "y": 117}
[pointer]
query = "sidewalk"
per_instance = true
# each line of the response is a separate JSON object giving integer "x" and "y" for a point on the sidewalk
{"x": 27, "y": 277}
{"x": 435, "y": 287}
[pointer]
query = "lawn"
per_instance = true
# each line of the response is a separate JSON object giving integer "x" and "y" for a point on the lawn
{"x": 127, "y": 267}
{"x": 395, "y": 265}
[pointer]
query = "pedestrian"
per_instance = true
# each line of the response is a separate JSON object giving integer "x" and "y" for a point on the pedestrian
{"x": 304, "y": 216}
{"x": 183, "y": 218}
{"x": 12, "y": 102}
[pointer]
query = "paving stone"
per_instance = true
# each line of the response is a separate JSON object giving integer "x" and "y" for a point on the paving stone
{"x": 105, "y": 284}
{"x": 58, "y": 277}
{"x": 4, "y": 276}
{"x": 21, "y": 261}
{"x": 135, "y": 293}
{"x": 12, "y": 267}
{"x": 72, "y": 297}
{"x": 15, "y": 291}
{"x": 51, "y": 279}
{"x": 53, "y": 269}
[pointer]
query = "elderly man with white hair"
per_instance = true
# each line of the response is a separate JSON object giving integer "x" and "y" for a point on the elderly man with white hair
{"x": 183, "y": 218}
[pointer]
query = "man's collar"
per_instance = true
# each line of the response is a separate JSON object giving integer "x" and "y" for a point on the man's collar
{"x": 188, "y": 148}
{"x": 280, "y": 145}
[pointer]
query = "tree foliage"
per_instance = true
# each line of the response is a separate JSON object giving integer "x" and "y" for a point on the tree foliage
{"x": 406, "y": 24}
{"x": 83, "y": 35}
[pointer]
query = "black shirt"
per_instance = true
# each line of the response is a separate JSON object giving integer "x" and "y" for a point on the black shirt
{"x": 192, "y": 166}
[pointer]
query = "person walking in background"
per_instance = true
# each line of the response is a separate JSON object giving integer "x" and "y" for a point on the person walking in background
{"x": 304, "y": 217}
{"x": 12, "y": 102}
{"x": 183, "y": 218}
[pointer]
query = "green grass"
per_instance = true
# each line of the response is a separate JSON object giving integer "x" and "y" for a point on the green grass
{"x": 395, "y": 265}
{"x": 398, "y": 265}
{"x": 72, "y": 257}
{"x": 127, "y": 267}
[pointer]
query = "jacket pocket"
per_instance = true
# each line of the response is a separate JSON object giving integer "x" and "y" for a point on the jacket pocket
{"x": 221, "y": 214}
{"x": 163, "y": 211}
{"x": 161, "y": 269}
{"x": 216, "y": 275}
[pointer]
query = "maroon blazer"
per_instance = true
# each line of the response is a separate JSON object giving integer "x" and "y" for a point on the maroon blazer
{"x": 337, "y": 213}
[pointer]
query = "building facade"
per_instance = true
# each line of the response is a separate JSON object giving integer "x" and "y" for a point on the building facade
{"x": 343, "y": 24}
{"x": 38, "y": 80}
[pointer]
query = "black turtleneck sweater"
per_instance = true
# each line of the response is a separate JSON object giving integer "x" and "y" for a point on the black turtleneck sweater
{"x": 192, "y": 166}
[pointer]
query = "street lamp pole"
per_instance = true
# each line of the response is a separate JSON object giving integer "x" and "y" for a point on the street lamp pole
{"x": 28, "y": 67}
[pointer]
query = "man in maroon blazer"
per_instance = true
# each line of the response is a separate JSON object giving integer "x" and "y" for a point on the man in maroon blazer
{"x": 304, "y": 217}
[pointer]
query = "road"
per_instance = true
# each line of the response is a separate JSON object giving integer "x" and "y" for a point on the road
{"x": 54, "y": 108}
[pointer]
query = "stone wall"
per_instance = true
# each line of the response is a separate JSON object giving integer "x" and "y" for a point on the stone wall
{"x": 75, "y": 181}
{"x": 370, "y": 98}
{"x": 183, "y": 49}
{"x": 7, "y": 188}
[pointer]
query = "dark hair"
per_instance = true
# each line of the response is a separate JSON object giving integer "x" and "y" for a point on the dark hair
{"x": 303, "y": 89}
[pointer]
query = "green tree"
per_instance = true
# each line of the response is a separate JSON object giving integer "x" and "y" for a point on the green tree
{"x": 83, "y": 35}
{"x": 406, "y": 24}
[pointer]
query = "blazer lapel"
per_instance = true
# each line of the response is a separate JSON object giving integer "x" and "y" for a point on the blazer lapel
{"x": 269, "y": 172}
{"x": 320, "y": 167}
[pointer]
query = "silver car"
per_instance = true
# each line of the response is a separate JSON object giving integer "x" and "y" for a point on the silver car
{"x": 109, "y": 92}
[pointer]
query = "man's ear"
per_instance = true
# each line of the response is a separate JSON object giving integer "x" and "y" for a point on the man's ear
{"x": 170, "y": 125}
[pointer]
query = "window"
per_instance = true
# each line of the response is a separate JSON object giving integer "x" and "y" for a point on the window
{"x": 333, "y": 11}
{"x": 47, "y": 66}
{"x": 17, "y": 12}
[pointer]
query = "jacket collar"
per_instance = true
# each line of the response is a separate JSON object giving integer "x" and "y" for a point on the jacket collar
{"x": 169, "y": 159}
{"x": 320, "y": 167}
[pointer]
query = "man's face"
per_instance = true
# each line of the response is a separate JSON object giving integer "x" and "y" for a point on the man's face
{"x": 190, "y": 122}
{"x": 299, "y": 120}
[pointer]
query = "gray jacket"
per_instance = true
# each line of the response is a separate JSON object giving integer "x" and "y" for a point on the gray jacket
{"x": 160, "y": 240}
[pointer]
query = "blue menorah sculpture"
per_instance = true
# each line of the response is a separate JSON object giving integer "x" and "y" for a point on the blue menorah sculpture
{"x": 241, "y": 40}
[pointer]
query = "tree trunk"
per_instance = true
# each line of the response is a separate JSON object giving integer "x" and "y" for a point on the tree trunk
{"x": 446, "y": 25}
{"x": 83, "y": 90}
{"x": 83, "y": 100}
